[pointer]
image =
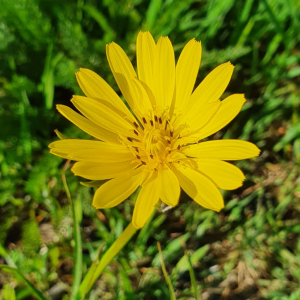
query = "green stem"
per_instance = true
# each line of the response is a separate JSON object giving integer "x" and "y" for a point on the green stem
{"x": 77, "y": 273}
{"x": 97, "y": 267}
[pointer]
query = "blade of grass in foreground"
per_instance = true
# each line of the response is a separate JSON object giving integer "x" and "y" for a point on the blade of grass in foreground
{"x": 167, "y": 278}
{"x": 19, "y": 276}
{"x": 77, "y": 272}
{"x": 188, "y": 260}
{"x": 193, "y": 278}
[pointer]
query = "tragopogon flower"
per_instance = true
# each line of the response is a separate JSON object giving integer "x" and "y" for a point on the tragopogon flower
{"x": 158, "y": 144}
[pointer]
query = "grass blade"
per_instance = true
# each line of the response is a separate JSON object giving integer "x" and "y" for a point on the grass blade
{"x": 152, "y": 13}
{"x": 167, "y": 278}
{"x": 193, "y": 278}
{"x": 19, "y": 276}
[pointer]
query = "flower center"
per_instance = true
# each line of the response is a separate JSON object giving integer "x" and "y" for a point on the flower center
{"x": 157, "y": 142}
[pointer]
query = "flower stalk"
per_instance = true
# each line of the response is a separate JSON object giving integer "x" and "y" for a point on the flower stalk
{"x": 77, "y": 273}
{"x": 98, "y": 266}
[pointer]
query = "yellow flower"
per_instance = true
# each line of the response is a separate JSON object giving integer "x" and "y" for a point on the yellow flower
{"x": 158, "y": 143}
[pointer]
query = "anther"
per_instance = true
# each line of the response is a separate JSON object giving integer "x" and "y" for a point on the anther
{"x": 138, "y": 157}
{"x": 160, "y": 120}
{"x": 143, "y": 163}
{"x": 136, "y": 149}
{"x": 171, "y": 133}
{"x": 136, "y": 125}
{"x": 144, "y": 120}
{"x": 169, "y": 142}
{"x": 155, "y": 118}
{"x": 136, "y": 132}
{"x": 178, "y": 148}
{"x": 130, "y": 139}
{"x": 151, "y": 156}
{"x": 151, "y": 122}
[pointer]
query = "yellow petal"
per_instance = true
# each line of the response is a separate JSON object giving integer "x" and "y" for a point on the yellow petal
{"x": 186, "y": 72}
{"x": 143, "y": 103}
{"x": 122, "y": 70}
{"x": 228, "y": 110}
{"x": 95, "y": 87}
{"x": 87, "y": 125}
{"x": 102, "y": 171}
{"x": 164, "y": 74}
{"x": 170, "y": 191}
{"x": 99, "y": 113}
{"x": 199, "y": 188}
{"x": 117, "y": 190}
{"x": 146, "y": 201}
{"x": 225, "y": 175}
{"x": 145, "y": 51}
{"x": 223, "y": 150}
{"x": 210, "y": 89}
{"x": 89, "y": 150}
{"x": 204, "y": 116}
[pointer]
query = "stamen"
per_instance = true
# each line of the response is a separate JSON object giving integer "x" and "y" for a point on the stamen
{"x": 156, "y": 139}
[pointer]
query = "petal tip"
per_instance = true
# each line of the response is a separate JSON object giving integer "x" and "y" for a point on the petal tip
{"x": 258, "y": 151}
{"x": 135, "y": 225}
{"x": 81, "y": 70}
{"x": 230, "y": 64}
{"x": 220, "y": 207}
{"x": 93, "y": 203}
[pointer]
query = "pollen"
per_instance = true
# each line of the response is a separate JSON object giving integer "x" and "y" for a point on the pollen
{"x": 155, "y": 144}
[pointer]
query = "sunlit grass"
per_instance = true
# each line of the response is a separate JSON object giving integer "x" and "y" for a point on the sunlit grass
{"x": 251, "y": 248}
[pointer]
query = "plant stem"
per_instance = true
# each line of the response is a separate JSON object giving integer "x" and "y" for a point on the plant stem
{"x": 77, "y": 273}
{"x": 97, "y": 267}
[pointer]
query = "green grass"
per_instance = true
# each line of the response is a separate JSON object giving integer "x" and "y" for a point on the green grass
{"x": 250, "y": 250}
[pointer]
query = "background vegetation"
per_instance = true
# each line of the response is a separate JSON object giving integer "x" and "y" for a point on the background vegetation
{"x": 250, "y": 250}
